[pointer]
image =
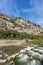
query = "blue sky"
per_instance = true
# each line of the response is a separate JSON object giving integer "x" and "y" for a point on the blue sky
{"x": 29, "y": 9}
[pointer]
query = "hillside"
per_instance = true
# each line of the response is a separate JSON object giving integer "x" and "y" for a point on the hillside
{"x": 17, "y": 28}
{"x": 19, "y": 24}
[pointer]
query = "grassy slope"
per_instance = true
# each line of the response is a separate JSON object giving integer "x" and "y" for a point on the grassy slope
{"x": 10, "y": 34}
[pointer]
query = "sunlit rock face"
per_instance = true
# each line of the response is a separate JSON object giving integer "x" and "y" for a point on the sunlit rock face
{"x": 19, "y": 24}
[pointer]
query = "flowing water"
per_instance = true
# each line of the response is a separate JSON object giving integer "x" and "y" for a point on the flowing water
{"x": 26, "y": 56}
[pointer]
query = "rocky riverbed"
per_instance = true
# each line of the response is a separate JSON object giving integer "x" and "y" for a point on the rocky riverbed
{"x": 25, "y": 56}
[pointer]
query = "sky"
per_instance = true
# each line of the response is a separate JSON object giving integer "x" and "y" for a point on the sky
{"x": 29, "y": 9}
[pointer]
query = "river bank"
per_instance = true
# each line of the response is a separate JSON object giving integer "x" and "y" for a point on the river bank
{"x": 23, "y": 42}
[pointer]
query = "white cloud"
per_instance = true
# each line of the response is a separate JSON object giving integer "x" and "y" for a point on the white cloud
{"x": 37, "y": 7}
{"x": 40, "y": 21}
{"x": 35, "y": 12}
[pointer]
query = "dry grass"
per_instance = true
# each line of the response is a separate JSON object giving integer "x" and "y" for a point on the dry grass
{"x": 11, "y": 49}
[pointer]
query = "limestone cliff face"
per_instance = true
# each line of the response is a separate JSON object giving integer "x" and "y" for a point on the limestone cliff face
{"x": 19, "y": 24}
